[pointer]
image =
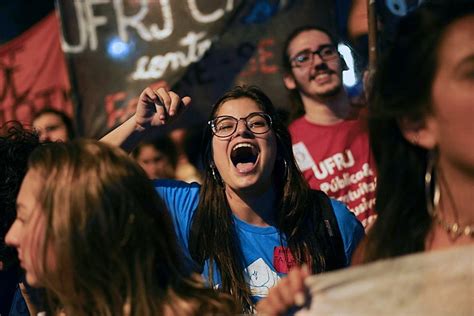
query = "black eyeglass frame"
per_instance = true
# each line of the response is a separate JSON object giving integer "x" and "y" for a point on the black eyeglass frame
{"x": 315, "y": 52}
{"x": 267, "y": 117}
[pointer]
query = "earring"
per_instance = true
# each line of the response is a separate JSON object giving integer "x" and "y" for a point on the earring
{"x": 285, "y": 167}
{"x": 215, "y": 174}
{"x": 415, "y": 140}
{"x": 432, "y": 198}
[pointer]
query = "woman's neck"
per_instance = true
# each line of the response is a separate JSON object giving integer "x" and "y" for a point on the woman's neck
{"x": 456, "y": 190}
{"x": 254, "y": 208}
{"x": 455, "y": 207}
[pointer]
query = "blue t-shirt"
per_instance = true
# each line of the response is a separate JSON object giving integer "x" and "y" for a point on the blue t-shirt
{"x": 263, "y": 249}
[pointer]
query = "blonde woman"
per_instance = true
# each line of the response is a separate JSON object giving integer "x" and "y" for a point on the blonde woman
{"x": 91, "y": 229}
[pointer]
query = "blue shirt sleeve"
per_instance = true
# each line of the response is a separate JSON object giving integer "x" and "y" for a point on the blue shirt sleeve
{"x": 181, "y": 199}
{"x": 351, "y": 229}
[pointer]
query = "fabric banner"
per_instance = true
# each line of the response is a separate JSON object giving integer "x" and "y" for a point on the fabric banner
{"x": 33, "y": 73}
{"x": 199, "y": 48}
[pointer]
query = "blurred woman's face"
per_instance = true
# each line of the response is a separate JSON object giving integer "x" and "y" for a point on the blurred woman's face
{"x": 50, "y": 127}
{"x": 452, "y": 97}
{"x": 155, "y": 163}
{"x": 28, "y": 228}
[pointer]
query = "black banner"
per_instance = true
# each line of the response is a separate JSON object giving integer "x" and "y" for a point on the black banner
{"x": 199, "y": 48}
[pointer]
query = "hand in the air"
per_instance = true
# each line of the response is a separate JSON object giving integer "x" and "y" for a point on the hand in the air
{"x": 158, "y": 107}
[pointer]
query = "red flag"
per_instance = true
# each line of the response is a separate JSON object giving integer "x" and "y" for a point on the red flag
{"x": 33, "y": 73}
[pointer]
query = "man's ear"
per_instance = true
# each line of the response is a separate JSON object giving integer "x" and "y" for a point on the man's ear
{"x": 420, "y": 132}
{"x": 289, "y": 81}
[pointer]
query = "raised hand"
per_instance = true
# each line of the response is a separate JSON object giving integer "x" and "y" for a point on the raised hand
{"x": 154, "y": 108}
{"x": 158, "y": 107}
{"x": 288, "y": 293}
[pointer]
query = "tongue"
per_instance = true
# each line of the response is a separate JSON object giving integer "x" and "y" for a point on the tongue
{"x": 244, "y": 166}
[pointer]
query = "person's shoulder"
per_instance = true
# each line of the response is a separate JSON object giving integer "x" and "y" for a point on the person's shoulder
{"x": 352, "y": 231}
{"x": 338, "y": 205}
{"x": 297, "y": 123}
{"x": 344, "y": 216}
{"x": 175, "y": 184}
{"x": 181, "y": 198}
{"x": 358, "y": 114}
{"x": 340, "y": 209}
{"x": 175, "y": 191}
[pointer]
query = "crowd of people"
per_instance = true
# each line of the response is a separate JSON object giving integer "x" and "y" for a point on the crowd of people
{"x": 88, "y": 229}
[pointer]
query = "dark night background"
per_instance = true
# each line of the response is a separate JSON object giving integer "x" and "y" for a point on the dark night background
{"x": 16, "y": 16}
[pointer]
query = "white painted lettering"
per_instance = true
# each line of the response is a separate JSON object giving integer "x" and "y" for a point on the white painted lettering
{"x": 329, "y": 163}
{"x": 320, "y": 173}
{"x": 212, "y": 17}
{"x": 350, "y": 159}
{"x": 87, "y": 24}
{"x": 167, "y": 22}
{"x": 67, "y": 48}
{"x": 93, "y": 21}
{"x": 134, "y": 21}
{"x": 156, "y": 67}
{"x": 339, "y": 161}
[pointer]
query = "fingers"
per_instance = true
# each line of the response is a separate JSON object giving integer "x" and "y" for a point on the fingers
{"x": 156, "y": 107}
{"x": 296, "y": 279}
{"x": 174, "y": 104}
{"x": 285, "y": 294}
{"x": 162, "y": 100}
{"x": 186, "y": 101}
{"x": 169, "y": 103}
{"x": 289, "y": 291}
{"x": 150, "y": 97}
{"x": 275, "y": 304}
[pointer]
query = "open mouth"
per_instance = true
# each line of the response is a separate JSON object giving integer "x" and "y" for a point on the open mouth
{"x": 244, "y": 156}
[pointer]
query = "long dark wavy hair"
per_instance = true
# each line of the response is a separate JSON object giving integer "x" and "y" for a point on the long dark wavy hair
{"x": 402, "y": 90}
{"x": 298, "y": 215}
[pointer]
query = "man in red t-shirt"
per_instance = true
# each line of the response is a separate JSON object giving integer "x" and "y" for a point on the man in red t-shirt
{"x": 330, "y": 140}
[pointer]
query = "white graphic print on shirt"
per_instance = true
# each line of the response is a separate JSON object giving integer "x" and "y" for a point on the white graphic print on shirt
{"x": 260, "y": 277}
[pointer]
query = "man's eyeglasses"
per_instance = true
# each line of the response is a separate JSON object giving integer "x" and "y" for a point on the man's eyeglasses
{"x": 226, "y": 125}
{"x": 306, "y": 57}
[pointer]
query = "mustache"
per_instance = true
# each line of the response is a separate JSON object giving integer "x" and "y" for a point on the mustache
{"x": 319, "y": 69}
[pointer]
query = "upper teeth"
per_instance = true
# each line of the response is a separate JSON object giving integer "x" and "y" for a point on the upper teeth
{"x": 242, "y": 145}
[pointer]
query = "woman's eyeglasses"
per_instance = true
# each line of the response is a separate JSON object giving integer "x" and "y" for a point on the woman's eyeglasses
{"x": 226, "y": 125}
